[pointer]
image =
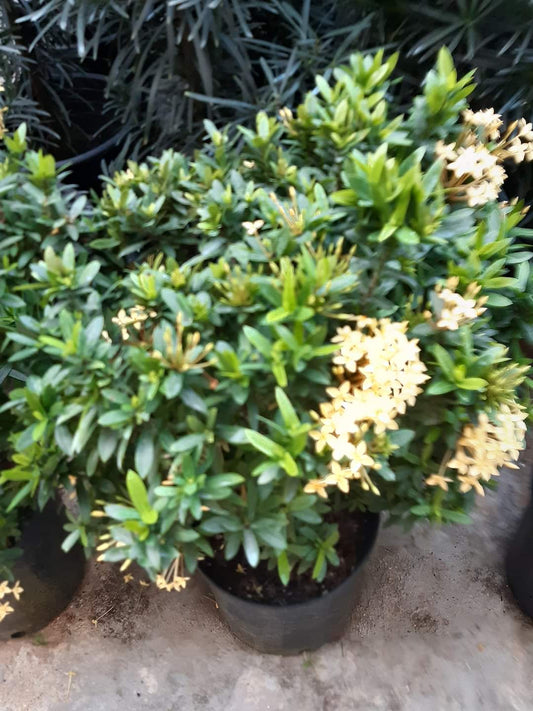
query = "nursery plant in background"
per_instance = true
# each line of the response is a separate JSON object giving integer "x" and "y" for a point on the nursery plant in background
{"x": 37, "y": 578}
{"x": 41, "y": 217}
{"x": 292, "y": 336}
{"x": 92, "y": 75}
{"x": 489, "y": 36}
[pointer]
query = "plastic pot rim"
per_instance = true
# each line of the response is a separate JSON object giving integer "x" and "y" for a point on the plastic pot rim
{"x": 373, "y": 528}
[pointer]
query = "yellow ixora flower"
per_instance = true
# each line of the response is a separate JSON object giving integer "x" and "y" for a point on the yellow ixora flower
{"x": 487, "y": 446}
{"x": 136, "y": 317}
{"x": 489, "y": 121}
{"x": 473, "y": 165}
{"x": 5, "y": 610}
{"x": 183, "y": 351}
{"x": 17, "y": 590}
{"x": 252, "y": 228}
{"x": 4, "y": 589}
{"x": 380, "y": 374}
{"x": 316, "y": 486}
{"x": 439, "y": 480}
{"x": 453, "y": 310}
{"x": 173, "y": 578}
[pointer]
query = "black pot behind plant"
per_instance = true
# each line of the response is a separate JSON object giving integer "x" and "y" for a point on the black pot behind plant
{"x": 48, "y": 576}
{"x": 294, "y": 627}
{"x": 519, "y": 562}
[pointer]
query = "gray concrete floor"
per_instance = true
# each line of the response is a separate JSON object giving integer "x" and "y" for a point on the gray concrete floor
{"x": 437, "y": 630}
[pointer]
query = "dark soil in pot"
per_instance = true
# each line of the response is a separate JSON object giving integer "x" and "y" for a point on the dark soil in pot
{"x": 48, "y": 576}
{"x": 263, "y": 585}
{"x": 304, "y": 615}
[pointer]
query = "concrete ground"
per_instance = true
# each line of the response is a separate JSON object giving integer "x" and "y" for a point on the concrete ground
{"x": 437, "y": 630}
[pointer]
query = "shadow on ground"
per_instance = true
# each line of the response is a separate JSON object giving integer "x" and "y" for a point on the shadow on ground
{"x": 436, "y": 630}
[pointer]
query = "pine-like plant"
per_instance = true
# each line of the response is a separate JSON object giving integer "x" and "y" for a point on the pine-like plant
{"x": 156, "y": 68}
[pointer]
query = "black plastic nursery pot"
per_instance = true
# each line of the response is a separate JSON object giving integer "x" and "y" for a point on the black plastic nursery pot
{"x": 296, "y": 627}
{"x": 48, "y": 576}
{"x": 519, "y": 562}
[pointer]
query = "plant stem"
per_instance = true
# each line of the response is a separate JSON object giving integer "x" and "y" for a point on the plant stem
{"x": 375, "y": 278}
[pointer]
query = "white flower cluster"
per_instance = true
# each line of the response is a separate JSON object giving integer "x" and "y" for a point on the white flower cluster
{"x": 380, "y": 373}
{"x": 473, "y": 164}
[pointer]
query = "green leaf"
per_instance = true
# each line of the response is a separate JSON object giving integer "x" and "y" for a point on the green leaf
{"x": 63, "y": 439}
{"x": 421, "y": 510}
{"x": 401, "y": 438}
{"x": 472, "y": 384}
{"x": 498, "y": 301}
{"x": 114, "y": 418}
{"x": 270, "y": 536}
{"x": 445, "y": 62}
{"x": 288, "y": 463}
{"x": 346, "y": 198}
{"x": 288, "y": 413}
{"x": 500, "y": 283}
{"x": 445, "y": 361}
{"x": 84, "y": 431}
{"x": 439, "y": 387}
{"x": 284, "y": 569}
{"x": 262, "y": 344}
{"x": 251, "y": 547}
{"x": 325, "y": 89}
{"x": 19, "y": 496}
{"x": 455, "y": 516}
{"x": 172, "y": 385}
{"x": 186, "y": 443}
{"x": 221, "y": 524}
{"x": 194, "y": 401}
{"x": 107, "y": 441}
{"x": 144, "y": 454}
{"x": 263, "y": 127}
{"x": 233, "y": 543}
{"x": 216, "y": 481}
{"x": 139, "y": 497}
{"x": 120, "y": 513}
{"x": 264, "y": 444}
{"x": 319, "y": 569}
{"x": 405, "y": 235}
{"x": 70, "y": 541}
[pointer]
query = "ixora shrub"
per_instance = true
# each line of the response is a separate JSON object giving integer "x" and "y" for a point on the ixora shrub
{"x": 315, "y": 330}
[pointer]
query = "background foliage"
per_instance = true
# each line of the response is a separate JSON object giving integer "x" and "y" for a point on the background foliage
{"x": 151, "y": 65}
{"x": 492, "y": 37}
{"x": 152, "y": 70}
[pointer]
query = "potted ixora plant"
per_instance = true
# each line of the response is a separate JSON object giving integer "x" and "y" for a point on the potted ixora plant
{"x": 40, "y": 214}
{"x": 37, "y": 578}
{"x": 329, "y": 347}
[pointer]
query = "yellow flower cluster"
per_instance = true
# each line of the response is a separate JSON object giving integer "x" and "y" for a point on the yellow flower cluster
{"x": 488, "y": 121}
{"x": 380, "y": 373}
{"x": 291, "y": 215}
{"x": 185, "y": 351}
{"x": 484, "y": 448}
{"x": 252, "y": 228}
{"x": 173, "y": 578}
{"x": 16, "y": 591}
{"x": 474, "y": 172}
{"x": 451, "y": 309}
{"x": 136, "y": 317}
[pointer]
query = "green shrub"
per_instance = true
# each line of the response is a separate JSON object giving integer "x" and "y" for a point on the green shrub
{"x": 307, "y": 325}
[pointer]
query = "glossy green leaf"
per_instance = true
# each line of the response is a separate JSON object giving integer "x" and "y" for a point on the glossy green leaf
{"x": 139, "y": 497}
